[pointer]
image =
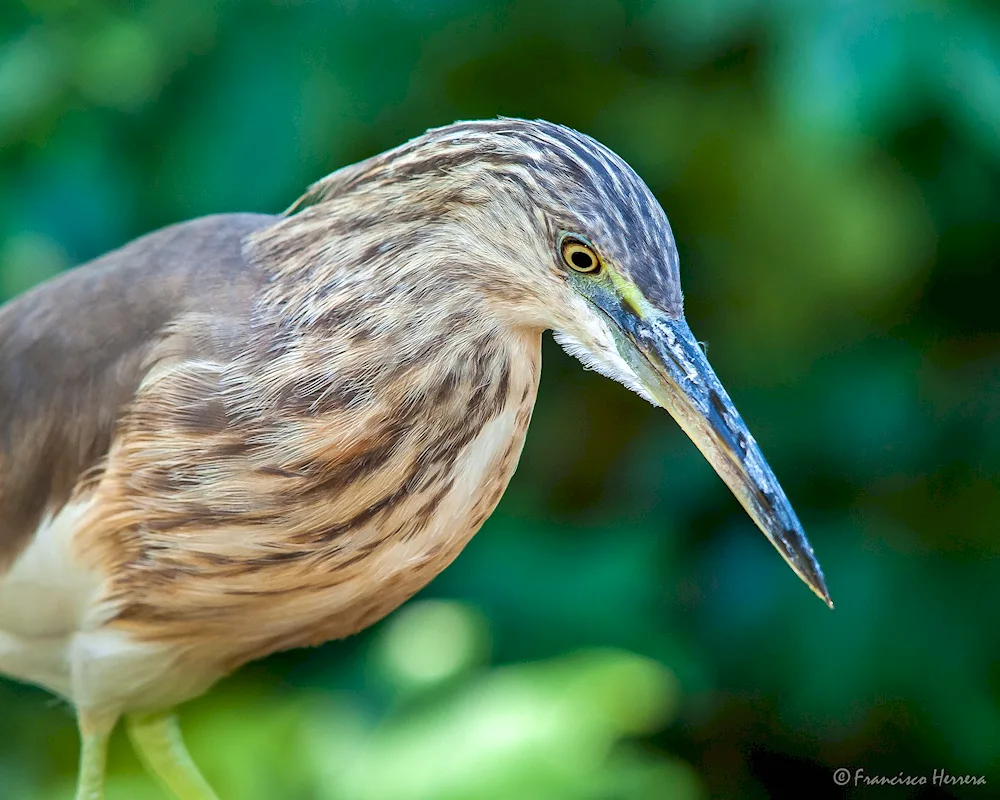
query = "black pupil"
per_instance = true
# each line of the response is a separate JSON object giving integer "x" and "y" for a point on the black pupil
{"x": 582, "y": 259}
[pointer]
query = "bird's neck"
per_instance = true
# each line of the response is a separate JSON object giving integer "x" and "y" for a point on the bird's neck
{"x": 387, "y": 326}
{"x": 393, "y": 305}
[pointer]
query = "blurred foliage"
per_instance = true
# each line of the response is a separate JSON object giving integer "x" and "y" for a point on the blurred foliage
{"x": 832, "y": 173}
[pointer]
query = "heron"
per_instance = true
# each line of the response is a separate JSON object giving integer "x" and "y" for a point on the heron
{"x": 246, "y": 433}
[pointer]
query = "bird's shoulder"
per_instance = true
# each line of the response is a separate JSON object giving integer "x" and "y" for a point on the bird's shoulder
{"x": 74, "y": 350}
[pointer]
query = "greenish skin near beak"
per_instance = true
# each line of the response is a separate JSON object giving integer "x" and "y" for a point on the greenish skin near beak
{"x": 669, "y": 362}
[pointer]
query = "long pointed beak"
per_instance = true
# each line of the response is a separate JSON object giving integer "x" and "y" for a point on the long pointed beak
{"x": 679, "y": 377}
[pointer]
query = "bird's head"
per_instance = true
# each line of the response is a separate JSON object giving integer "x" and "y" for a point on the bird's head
{"x": 559, "y": 232}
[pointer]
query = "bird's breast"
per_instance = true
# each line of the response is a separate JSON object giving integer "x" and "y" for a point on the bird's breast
{"x": 382, "y": 563}
{"x": 315, "y": 535}
{"x": 427, "y": 537}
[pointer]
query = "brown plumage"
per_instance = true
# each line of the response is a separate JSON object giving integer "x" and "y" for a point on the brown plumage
{"x": 248, "y": 433}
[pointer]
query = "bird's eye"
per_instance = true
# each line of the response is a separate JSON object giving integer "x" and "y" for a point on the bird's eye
{"x": 579, "y": 256}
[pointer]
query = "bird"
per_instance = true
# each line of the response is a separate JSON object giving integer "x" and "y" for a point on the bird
{"x": 246, "y": 433}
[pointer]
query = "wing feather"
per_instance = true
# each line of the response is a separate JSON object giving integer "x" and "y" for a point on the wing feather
{"x": 74, "y": 350}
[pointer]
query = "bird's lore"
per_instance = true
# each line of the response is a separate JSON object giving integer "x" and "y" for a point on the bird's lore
{"x": 246, "y": 433}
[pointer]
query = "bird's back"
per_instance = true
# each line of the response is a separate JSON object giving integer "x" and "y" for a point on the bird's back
{"x": 73, "y": 351}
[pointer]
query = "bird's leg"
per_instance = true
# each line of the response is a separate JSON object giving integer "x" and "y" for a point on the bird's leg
{"x": 95, "y": 730}
{"x": 157, "y": 738}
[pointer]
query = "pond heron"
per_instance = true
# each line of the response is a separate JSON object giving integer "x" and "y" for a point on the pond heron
{"x": 247, "y": 433}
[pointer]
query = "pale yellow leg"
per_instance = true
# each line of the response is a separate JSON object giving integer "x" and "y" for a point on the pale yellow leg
{"x": 157, "y": 738}
{"x": 95, "y": 730}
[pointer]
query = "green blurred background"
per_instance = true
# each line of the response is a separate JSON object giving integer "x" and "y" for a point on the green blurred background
{"x": 618, "y": 630}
